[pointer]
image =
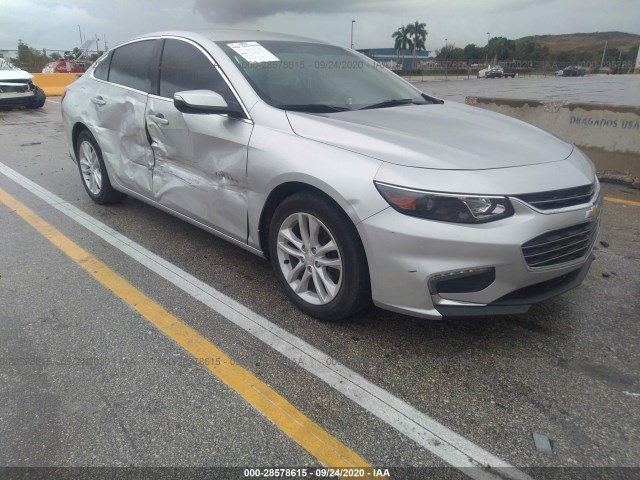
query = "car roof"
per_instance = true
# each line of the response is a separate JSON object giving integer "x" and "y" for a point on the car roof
{"x": 224, "y": 34}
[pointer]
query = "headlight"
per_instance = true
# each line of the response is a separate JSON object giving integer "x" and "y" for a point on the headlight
{"x": 446, "y": 207}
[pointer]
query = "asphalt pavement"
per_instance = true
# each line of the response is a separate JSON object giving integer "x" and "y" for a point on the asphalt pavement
{"x": 87, "y": 380}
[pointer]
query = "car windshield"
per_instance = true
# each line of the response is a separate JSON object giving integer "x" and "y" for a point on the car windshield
{"x": 317, "y": 77}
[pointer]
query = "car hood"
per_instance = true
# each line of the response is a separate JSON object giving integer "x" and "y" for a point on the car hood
{"x": 449, "y": 136}
{"x": 14, "y": 74}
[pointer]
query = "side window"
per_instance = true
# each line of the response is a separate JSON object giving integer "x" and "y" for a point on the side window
{"x": 102, "y": 70}
{"x": 184, "y": 67}
{"x": 130, "y": 65}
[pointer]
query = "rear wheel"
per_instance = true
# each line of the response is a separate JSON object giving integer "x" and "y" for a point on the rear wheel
{"x": 318, "y": 258}
{"x": 93, "y": 172}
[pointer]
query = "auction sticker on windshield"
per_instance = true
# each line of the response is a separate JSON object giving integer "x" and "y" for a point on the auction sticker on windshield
{"x": 253, "y": 52}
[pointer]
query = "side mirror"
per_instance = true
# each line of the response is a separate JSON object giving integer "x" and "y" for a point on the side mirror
{"x": 205, "y": 101}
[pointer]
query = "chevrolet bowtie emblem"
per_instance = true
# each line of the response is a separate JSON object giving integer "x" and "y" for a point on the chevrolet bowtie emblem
{"x": 593, "y": 212}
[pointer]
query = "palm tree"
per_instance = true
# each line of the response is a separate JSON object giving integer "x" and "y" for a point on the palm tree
{"x": 418, "y": 32}
{"x": 403, "y": 40}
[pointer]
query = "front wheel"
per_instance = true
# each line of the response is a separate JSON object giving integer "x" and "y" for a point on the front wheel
{"x": 39, "y": 97}
{"x": 318, "y": 258}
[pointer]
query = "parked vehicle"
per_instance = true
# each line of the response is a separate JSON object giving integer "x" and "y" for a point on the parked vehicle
{"x": 491, "y": 71}
{"x": 64, "y": 66}
{"x": 356, "y": 185}
{"x": 17, "y": 87}
{"x": 615, "y": 69}
{"x": 508, "y": 72}
{"x": 574, "y": 71}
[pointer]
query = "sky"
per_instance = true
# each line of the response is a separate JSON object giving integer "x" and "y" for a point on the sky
{"x": 53, "y": 24}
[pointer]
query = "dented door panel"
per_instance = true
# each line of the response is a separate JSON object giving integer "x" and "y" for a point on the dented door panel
{"x": 200, "y": 165}
{"x": 125, "y": 122}
{"x": 119, "y": 127}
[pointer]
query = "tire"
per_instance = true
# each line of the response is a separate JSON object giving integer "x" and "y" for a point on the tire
{"x": 93, "y": 172}
{"x": 332, "y": 283}
{"x": 38, "y": 99}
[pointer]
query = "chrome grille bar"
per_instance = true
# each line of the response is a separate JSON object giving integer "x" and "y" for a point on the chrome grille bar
{"x": 560, "y": 246}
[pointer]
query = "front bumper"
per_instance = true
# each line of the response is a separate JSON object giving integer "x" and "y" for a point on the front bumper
{"x": 16, "y": 98}
{"x": 404, "y": 253}
{"x": 519, "y": 301}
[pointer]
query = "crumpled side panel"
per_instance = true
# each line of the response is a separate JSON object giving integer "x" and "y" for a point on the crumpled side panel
{"x": 125, "y": 146}
{"x": 200, "y": 168}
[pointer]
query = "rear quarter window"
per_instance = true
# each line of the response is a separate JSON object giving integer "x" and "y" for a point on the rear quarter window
{"x": 101, "y": 71}
{"x": 130, "y": 65}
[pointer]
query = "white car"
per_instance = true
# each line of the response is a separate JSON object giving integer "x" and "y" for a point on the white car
{"x": 492, "y": 71}
{"x": 17, "y": 87}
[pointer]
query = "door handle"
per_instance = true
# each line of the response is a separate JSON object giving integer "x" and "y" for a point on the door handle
{"x": 98, "y": 101}
{"x": 159, "y": 119}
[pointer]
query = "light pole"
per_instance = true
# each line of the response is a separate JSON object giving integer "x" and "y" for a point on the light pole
{"x": 80, "y": 32}
{"x": 446, "y": 59}
{"x": 352, "y": 22}
{"x": 399, "y": 60}
{"x": 486, "y": 57}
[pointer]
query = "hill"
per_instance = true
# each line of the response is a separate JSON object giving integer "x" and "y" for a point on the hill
{"x": 587, "y": 42}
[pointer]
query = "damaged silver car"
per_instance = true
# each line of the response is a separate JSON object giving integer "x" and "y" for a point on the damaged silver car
{"x": 17, "y": 87}
{"x": 357, "y": 186}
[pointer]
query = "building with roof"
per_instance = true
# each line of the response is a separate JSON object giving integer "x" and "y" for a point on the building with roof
{"x": 397, "y": 59}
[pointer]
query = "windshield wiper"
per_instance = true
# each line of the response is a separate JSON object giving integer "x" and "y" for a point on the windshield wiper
{"x": 313, "y": 108}
{"x": 393, "y": 103}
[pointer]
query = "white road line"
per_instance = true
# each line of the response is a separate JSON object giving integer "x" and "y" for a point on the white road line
{"x": 52, "y": 101}
{"x": 454, "y": 449}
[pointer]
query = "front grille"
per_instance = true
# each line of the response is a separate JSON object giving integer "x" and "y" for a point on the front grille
{"x": 560, "y": 246}
{"x": 553, "y": 199}
{"x": 8, "y": 86}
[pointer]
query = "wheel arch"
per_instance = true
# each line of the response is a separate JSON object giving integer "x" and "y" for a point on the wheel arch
{"x": 286, "y": 189}
{"x": 77, "y": 129}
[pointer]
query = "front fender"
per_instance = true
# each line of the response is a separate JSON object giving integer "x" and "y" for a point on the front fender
{"x": 277, "y": 157}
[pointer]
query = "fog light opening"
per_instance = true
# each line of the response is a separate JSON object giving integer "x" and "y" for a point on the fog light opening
{"x": 462, "y": 281}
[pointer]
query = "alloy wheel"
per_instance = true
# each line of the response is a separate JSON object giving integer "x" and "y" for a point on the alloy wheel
{"x": 309, "y": 258}
{"x": 90, "y": 167}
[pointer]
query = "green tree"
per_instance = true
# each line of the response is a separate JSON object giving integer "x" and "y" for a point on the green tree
{"x": 402, "y": 38}
{"x": 30, "y": 58}
{"x": 418, "y": 32}
{"x": 450, "y": 52}
{"x": 473, "y": 52}
{"x": 527, "y": 48}
{"x": 501, "y": 47}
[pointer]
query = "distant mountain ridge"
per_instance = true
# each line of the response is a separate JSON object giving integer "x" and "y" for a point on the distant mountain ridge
{"x": 587, "y": 42}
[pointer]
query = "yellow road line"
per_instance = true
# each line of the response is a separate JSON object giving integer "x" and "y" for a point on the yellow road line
{"x": 620, "y": 200}
{"x": 327, "y": 449}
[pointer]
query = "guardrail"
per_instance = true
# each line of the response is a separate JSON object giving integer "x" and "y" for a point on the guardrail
{"x": 54, "y": 84}
{"x": 609, "y": 134}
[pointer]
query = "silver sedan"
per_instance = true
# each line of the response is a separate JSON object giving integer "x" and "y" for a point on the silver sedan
{"x": 356, "y": 186}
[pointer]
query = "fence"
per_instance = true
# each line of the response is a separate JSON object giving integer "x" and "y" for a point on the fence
{"x": 470, "y": 68}
{"x": 404, "y": 65}
{"x": 35, "y": 63}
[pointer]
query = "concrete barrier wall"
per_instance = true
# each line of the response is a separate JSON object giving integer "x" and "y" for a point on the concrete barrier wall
{"x": 54, "y": 84}
{"x": 609, "y": 134}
